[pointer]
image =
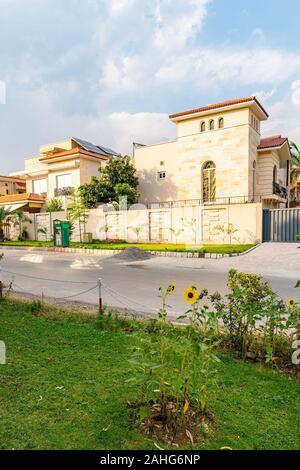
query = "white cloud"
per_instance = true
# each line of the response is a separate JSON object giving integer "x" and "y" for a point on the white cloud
{"x": 147, "y": 128}
{"x": 119, "y": 6}
{"x": 223, "y": 65}
{"x": 284, "y": 119}
{"x": 2, "y": 92}
{"x": 264, "y": 95}
{"x": 174, "y": 30}
{"x": 296, "y": 92}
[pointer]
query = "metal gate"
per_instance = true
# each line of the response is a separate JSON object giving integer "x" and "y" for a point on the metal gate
{"x": 281, "y": 225}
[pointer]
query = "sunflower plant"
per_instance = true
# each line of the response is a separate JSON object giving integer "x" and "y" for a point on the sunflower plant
{"x": 174, "y": 367}
{"x": 200, "y": 364}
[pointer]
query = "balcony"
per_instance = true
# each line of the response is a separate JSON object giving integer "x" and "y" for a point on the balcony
{"x": 58, "y": 192}
{"x": 280, "y": 191}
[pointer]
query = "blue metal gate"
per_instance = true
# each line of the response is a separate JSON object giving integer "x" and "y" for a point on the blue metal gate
{"x": 281, "y": 225}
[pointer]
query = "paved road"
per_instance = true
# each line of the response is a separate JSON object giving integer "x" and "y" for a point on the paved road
{"x": 135, "y": 284}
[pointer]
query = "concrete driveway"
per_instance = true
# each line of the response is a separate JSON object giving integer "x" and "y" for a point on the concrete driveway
{"x": 134, "y": 285}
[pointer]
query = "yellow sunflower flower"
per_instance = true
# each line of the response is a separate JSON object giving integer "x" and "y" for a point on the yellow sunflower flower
{"x": 190, "y": 295}
{"x": 291, "y": 303}
{"x": 172, "y": 288}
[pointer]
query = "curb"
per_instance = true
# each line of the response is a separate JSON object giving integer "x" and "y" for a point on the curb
{"x": 102, "y": 252}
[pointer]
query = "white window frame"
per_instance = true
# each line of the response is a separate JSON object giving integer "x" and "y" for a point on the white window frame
{"x": 67, "y": 181}
{"x": 40, "y": 186}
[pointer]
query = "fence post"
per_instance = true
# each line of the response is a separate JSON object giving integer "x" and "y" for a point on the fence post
{"x": 100, "y": 296}
{"x": 1, "y": 290}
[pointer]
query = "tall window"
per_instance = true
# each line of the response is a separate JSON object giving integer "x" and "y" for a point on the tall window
{"x": 254, "y": 180}
{"x": 64, "y": 181}
{"x": 221, "y": 123}
{"x": 212, "y": 125}
{"x": 40, "y": 186}
{"x": 275, "y": 174}
{"x": 209, "y": 186}
{"x": 202, "y": 127}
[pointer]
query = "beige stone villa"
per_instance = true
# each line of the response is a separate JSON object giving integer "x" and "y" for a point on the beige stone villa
{"x": 219, "y": 155}
{"x": 60, "y": 167}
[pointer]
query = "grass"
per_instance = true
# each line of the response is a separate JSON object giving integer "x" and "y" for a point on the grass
{"x": 223, "y": 249}
{"x": 64, "y": 387}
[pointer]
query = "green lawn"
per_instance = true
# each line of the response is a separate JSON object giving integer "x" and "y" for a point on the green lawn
{"x": 64, "y": 387}
{"x": 144, "y": 246}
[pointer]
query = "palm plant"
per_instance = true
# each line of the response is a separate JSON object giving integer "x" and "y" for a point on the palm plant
{"x": 18, "y": 219}
{"x": 4, "y": 221}
{"x": 78, "y": 212}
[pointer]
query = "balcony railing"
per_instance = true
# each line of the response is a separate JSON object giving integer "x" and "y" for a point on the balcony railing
{"x": 198, "y": 202}
{"x": 63, "y": 191}
{"x": 280, "y": 190}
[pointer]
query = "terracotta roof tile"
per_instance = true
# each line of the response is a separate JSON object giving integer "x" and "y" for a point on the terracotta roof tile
{"x": 272, "y": 141}
{"x": 22, "y": 198}
{"x": 219, "y": 105}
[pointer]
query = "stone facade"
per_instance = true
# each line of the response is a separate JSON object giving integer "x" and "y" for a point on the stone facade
{"x": 227, "y": 135}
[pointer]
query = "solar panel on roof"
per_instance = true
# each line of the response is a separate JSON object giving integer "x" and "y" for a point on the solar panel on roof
{"x": 94, "y": 148}
{"x": 107, "y": 150}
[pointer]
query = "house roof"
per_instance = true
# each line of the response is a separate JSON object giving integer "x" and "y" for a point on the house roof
{"x": 14, "y": 179}
{"x": 72, "y": 153}
{"x": 273, "y": 141}
{"x": 25, "y": 197}
{"x": 223, "y": 104}
{"x": 94, "y": 148}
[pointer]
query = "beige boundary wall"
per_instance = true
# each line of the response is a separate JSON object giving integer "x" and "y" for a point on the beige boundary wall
{"x": 191, "y": 225}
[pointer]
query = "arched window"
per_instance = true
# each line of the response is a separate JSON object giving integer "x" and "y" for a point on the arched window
{"x": 221, "y": 123}
{"x": 212, "y": 125}
{"x": 209, "y": 186}
{"x": 254, "y": 180}
{"x": 203, "y": 127}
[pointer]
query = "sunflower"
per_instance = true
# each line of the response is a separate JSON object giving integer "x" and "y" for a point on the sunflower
{"x": 204, "y": 292}
{"x": 171, "y": 288}
{"x": 291, "y": 303}
{"x": 191, "y": 295}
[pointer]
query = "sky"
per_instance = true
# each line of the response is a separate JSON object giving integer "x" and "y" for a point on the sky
{"x": 111, "y": 71}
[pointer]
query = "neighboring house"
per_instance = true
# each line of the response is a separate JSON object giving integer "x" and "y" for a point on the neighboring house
{"x": 9, "y": 185}
{"x": 219, "y": 156}
{"x": 63, "y": 166}
{"x": 27, "y": 202}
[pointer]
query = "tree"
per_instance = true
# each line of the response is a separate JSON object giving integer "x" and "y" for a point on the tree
{"x": 117, "y": 179}
{"x": 18, "y": 219}
{"x": 228, "y": 230}
{"x": 54, "y": 205}
{"x": 4, "y": 221}
{"x": 78, "y": 211}
{"x": 295, "y": 172}
{"x": 176, "y": 233}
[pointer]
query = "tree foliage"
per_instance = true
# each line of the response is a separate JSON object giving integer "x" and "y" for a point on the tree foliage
{"x": 54, "y": 205}
{"x": 295, "y": 172}
{"x": 78, "y": 211}
{"x": 117, "y": 179}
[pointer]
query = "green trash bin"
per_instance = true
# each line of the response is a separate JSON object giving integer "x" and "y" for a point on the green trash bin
{"x": 62, "y": 232}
